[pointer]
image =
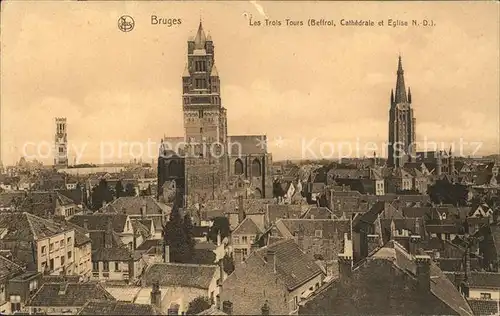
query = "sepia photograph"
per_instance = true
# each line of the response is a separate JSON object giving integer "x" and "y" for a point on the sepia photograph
{"x": 249, "y": 158}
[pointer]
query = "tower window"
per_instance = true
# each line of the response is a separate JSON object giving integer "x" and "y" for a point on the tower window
{"x": 201, "y": 130}
{"x": 200, "y": 84}
{"x": 200, "y": 65}
{"x": 200, "y": 113}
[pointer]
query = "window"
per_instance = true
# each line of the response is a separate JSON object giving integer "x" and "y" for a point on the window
{"x": 244, "y": 239}
{"x": 69, "y": 254}
{"x": 201, "y": 130}
{"x": 51, "y": 247}
{"x": 33, "y": 286}
{"x": 200, "y": 84}
{"x": 318, "y": 233}
{"x": 95, "y": 266}
{"x": 105, "y": 266}
{"x": 2, "y": 293}
{"x": 44, "y": 249}
{"x": 244, "y": 252}
{"x": 117, "y": 266}
{"x": 15, "y": 303}
{"x": 486, "y": 296}
{"x": 200, "y": 113}
{"x": 69, "y": 240}
{"x": 200, "y": 65}
{"x": 236, "y": 240}
{"x": 62, "y": 261}
{"x": 51, "y": 264}
{"x": 61, "y": 149}
{"x": 61, "y": 243}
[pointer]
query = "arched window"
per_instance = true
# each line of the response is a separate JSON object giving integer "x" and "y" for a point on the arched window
{"x": 258, "y": 194}
{"x": 238, "y": 167}
{"x": 256, "y": 172}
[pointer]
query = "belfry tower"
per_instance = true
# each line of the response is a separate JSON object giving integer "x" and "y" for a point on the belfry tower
{"x": 401, "y": 147}
{"x": 205, "y": 119}
{"x": 61, "y": 143}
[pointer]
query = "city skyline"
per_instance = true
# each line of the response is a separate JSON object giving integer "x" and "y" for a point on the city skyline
{"x": 80, "y": 66}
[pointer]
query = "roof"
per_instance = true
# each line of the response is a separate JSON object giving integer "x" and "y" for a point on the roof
{"x": 28, "y": 227}
{"x": 250, "y": 144}
{"x": 105, "y": 307}
{"x": 370, "y": 216}
{"x": 277, "y": 211}
{"x": 141, "y": 229}
{"x": 181, "y": 275}
{"x": 8, "y": 269}
{"x": 315, "y": 212}
{"x": 99, "y": 221}
{"x": 293, "y": 266}
{"x": 331, "y": 228}
{"x": 80, "y": 233}
{"x": 74, "y": 295}
{"x": 247, "y": 227}
{"x": 132, "y": 205}
{"x": 149, "y": 243}
{"x": 213, "y": 310}
{"x": 490, "y": 280}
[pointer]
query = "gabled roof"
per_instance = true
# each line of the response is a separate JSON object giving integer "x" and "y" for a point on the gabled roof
{"x": 8, "y": 269}
{"x": 131, "y": 205}
{"x": 277, "y": 211}
{"x": 99, "y": 221}
{"x": 80, "y": 233}
{"x": 28, "y": 227}
{"x": 315, "y": 212}
{"x": 369, "y": 217}
{"x": 74, "y": 295}
{"x": 180, "y": 275}
{"x": 104, "y": 307}
{"x": 212, "y": 311}
{"x": 484, "y": 307}
{"x": 247, "y": 227}
{"x": 330, "y": 228}
{"x": 293, "y": 266}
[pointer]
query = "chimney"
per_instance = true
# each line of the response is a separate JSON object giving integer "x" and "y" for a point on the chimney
{"x": 86, "y": 224}
{"x": 345, "y": 266}
{"x": 423, "y": 272}
{"x": 300, "y": 238}
{"x": 227, "y": 307}
{"x": 108, "y": 235}
{"x": 241, "y": 210}
{"x": 265, "y": 308}
{"x": 156, "y": 295}
{"x": 271, "y": 259}
{"x": 166, "y": 253}
{"x": 414, "y": 244}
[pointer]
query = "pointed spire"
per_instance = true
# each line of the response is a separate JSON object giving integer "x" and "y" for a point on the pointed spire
{"x": 392, "y": 96}
{"x": 186, "y": 72}
{"x": 200, "y": 38}
{"x": 400, "y": 96}
{"x": 214, "y": 72}
{"x": 409, "y": 95}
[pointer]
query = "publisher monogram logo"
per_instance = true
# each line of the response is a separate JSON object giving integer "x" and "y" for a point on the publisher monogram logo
{"x": 126, "y": 23}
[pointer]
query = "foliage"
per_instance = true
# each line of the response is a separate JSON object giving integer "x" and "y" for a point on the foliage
{"x": 198, "y": 305}
{"x": 101, "y": 194}
{"x": 278, "y": 189}
{"x": 119, "y": 190}
{"x": 178, "y": 235}
{"x": 221, "y": 224}
{"x": 228, "y": 264}
{"x": 129, "y": 190}
{"x": 448, "y": 193}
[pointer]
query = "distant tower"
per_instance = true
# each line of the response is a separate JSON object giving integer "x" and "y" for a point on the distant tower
{"x": 439, "y": 163}
{"x": 401, "y": 123}
{"x": 451, "y": 161}
{"x": 61, "y": 143}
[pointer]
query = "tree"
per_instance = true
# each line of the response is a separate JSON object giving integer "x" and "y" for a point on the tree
{"x": 198, "y": 305}
{"x": 278, "y": 189}
{"x": 129, "y": 190}
{"x": 228, "y": 264}
{"x": 119, "y": 190}
{"x": 101, "y": 194}
{"x": 189, "y": 237}
{"x": 220, "y": 224}
{"x": 448, "y": 193}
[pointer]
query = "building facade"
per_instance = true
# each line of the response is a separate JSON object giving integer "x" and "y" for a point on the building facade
{"x": 61, "y": 143}
{"x": 212, "y": 162}
{"x": 401, "y": 124}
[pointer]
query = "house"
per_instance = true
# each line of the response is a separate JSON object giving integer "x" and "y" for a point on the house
{"x": 66, "y": 298}
{"x": 489, "y": 247}
{"x": 112, "y": 260}
{"x": 121, "y": 223}
{"x": 244, "y": 236}
{"x": 277, "y": 276}
{"x": 19, "y": 289}
{"x": 136, "y": 207}
{"x": 38, "y": 244}
{"x": 40, "y": 203}
{"x": 480, "y": 285}
{"x": 8, "y": 270}
{"x": 175, "y": 285}
{"x": 391, "y": 281}
{"x": 107, "y": 307}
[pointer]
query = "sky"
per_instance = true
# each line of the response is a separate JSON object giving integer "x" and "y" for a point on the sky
{"x": 314, "y": 91}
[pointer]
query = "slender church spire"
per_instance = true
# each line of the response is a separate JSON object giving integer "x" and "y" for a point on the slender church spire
{"x": 200, "y": 38}
{"x": 400, "y": 96}
{"x": 392, "y": 96}
{"x": 409, "y": 95}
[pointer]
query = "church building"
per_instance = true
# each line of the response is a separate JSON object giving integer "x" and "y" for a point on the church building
{"x": 207, "y": 163}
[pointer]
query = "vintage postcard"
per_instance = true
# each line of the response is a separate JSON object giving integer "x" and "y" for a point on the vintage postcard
{"x": 250, "y": 158}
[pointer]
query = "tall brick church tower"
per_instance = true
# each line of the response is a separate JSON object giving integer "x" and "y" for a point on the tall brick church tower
{"x": 401, "y": 124}
{"x": 205, "y": 120}
{"x": 61, "y": 143}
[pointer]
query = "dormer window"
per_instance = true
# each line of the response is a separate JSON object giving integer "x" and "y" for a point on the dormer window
{"x": 318, "y": 233}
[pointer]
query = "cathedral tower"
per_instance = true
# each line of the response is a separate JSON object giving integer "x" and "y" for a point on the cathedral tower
{"x": 205, "y": 122}
{"x": 61, "y": 143}
{"x": 401, "y": 147}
